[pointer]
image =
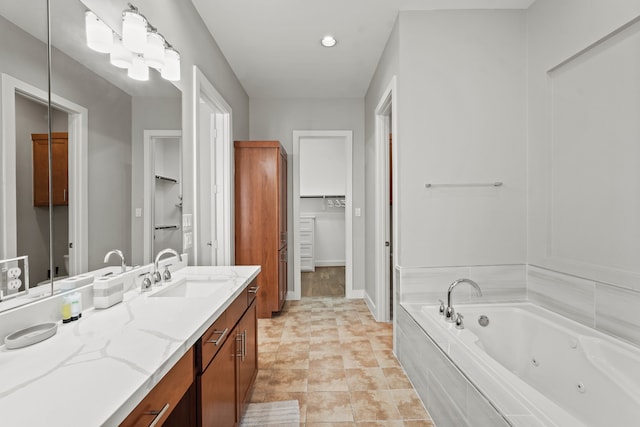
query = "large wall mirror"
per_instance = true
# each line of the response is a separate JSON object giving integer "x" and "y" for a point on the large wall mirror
{"x": 103, "y": 124}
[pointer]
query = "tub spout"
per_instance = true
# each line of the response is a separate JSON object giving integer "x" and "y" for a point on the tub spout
{"x": 449, "y": 312}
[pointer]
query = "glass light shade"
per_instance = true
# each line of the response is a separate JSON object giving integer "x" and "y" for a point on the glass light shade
{"x": 120, "y": 56}
{"x": 134, "y": 31}
{"x": 99, "y": 35}
{"x": 138, "y": 70}
{"x": 328, "y": 41}
{"x": 154, "y": 51}
{"x": 171, "y": 69}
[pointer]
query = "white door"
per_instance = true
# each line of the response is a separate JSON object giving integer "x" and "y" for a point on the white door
{"x": 208, "y": 245}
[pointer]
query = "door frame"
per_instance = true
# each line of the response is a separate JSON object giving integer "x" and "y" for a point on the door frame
{"x": 204, "y": 90}
{"x": 78, "y": 129}
{"x": 347, "y": 135}
{"x": 387, "y": 106}
{"x": 149, "y": 192}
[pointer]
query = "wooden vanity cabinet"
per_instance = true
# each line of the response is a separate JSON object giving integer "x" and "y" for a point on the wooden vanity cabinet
{"x": 227, "y": 374}
{"x": 157, "y": 407}
{"x": 261, "y": 217}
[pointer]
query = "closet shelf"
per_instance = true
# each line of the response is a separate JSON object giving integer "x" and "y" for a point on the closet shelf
{"x": 323, "y": 197}
{"x": 166, "y": 227}
{"x": 167, "y": 179}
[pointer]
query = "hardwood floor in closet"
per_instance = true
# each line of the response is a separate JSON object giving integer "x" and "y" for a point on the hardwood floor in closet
{"x": 336, "y": 360}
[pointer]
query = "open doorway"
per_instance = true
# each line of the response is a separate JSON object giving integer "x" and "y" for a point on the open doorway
{"x": 322, "y": 214}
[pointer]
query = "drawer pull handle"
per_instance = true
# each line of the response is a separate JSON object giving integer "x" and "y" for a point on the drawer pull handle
{"x": 253, "y": 290}
{"x": 241, "y": 341}
{"x": 244, "y": 344}
{"x": 158, "y": 415}
{"x": 219, "y": 340}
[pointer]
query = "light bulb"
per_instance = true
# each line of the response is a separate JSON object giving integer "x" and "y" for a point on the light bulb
{"x": 328, "y": 41}
{"x": 154, "y": 51}
{"x": 134, "y": 31}
{"x": 99, "y": 35}
{"x": 138, "y": 70}
{"x": 120, "y": 56}
{"x": 171, "y": 69}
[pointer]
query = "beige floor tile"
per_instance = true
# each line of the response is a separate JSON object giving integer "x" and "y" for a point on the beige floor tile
{"x": 322, "y": 360}
{"x": 330, "y": 425}
{"x": 381, "y": 342}
{"x": 396, "y": 378}
{"x": 329, "y": 406}
{"x": 327, "y": 380}
{"x": 286, "y": 359}
{"x": 418, "y": 423}
{"x": 266, "y": 360}
{"x": 334, "y": 347}
{"x": 356, "y": 344}
{"x": 374, "y": 405}
{"x": 359, "y": 359}
{"x": 288, "y": 380}
{"x": 386, "y": 359}
{"x": 392, "y": 423}
{"x": 409, "y": 404}
{"x": 366, "y": 379}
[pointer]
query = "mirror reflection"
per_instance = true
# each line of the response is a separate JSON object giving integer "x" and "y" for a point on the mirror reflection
{"x": 111, "y": 136}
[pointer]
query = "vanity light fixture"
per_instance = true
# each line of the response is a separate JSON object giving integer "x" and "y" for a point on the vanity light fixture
{"x": 120, "y": 56}
{"x": 328, "y": 41}
{"x": 138, "y": 70}
{"x": 134, "y": 30}
{"x": 140, "y": 47}
{"x": 171, "y": 69}
{"x": 99, "y": 35}
{"x": 154, "y": 50}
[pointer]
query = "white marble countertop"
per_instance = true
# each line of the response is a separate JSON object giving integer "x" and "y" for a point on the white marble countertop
{"x": 95, "y": 371}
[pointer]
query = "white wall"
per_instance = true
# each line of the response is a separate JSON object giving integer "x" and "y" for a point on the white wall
{"x": 583, "y": 144}
{"x": 558, "y": 31}
{"x": 276, "y": 119}
{"x": 462, "y": 120}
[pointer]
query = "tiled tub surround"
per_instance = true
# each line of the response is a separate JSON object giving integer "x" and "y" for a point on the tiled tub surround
{"x": 536, "y": 367}
{"x": 608, "y": 308}
{"x": 499, "y": 283}
{"x": 96, "y": 370}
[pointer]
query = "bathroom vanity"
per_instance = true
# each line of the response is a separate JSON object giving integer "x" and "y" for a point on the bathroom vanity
{"x": 184, "y": 354}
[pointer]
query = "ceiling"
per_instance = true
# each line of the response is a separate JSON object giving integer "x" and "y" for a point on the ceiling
{"x": 274, "y": 46}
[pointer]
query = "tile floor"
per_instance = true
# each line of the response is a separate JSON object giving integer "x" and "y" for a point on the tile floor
{"x": 336, "y": 360}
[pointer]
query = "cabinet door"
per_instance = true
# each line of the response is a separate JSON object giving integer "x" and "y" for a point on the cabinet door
{"x": 59, "y": 174}
{"x": 282, "y": 277}
{"x": 218, "y": 388}
{"x": 282, "y": 198}
{"x": 248, "y": 350}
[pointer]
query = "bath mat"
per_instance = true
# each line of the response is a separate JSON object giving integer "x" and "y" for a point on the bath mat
{"x": 281, "y": 414}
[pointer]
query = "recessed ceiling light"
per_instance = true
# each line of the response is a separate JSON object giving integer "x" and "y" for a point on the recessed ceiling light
{"x": 328, "y": 41}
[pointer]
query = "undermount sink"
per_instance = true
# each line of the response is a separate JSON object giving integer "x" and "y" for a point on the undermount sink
{"x": 189, "y": 289}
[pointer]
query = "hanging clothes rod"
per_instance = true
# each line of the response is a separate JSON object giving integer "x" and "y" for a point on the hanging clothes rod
{"x": 479, "y": 184}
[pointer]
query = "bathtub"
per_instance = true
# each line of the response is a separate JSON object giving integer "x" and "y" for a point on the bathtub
{"x": 536, "y": 368}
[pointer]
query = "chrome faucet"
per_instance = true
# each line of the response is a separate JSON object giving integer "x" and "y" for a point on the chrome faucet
{"x": 449, "y": 312}
{"x": 118, "y": 252}
{"x": 157, "y": 278}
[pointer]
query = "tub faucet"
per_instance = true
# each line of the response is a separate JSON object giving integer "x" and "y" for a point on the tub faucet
{"x": 118, "y": 252}
{"x": 157, "y": 278}
{"x": 449, "y": 312}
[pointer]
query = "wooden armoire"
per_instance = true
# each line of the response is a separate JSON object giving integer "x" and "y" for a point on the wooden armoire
{"x": 261, "y": 218}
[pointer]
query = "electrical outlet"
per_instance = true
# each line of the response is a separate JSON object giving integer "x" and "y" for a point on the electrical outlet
{"x": 14, "y": 284}
{"x": 14, "y": 273}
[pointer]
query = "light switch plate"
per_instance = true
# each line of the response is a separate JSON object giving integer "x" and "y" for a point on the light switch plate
{"x": 358, "y": 212}
{"x": 138, "y": 212}
{"x": 188, "y": 240}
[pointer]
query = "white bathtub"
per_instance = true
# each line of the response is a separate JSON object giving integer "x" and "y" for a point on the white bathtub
{"x": 539, "y": 368}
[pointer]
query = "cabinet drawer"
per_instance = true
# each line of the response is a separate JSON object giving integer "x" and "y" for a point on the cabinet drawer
{"x": 306, "y": 237}
{"x": 237, "y": 308}
{"x": 306, "y": 224}
{"x": 214, "y": 338}
{"x": 252, "y": 291}
{"x": 306, "y": 264}
{"x": 306, "y": 250}
{"x": 164, "y": 397}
